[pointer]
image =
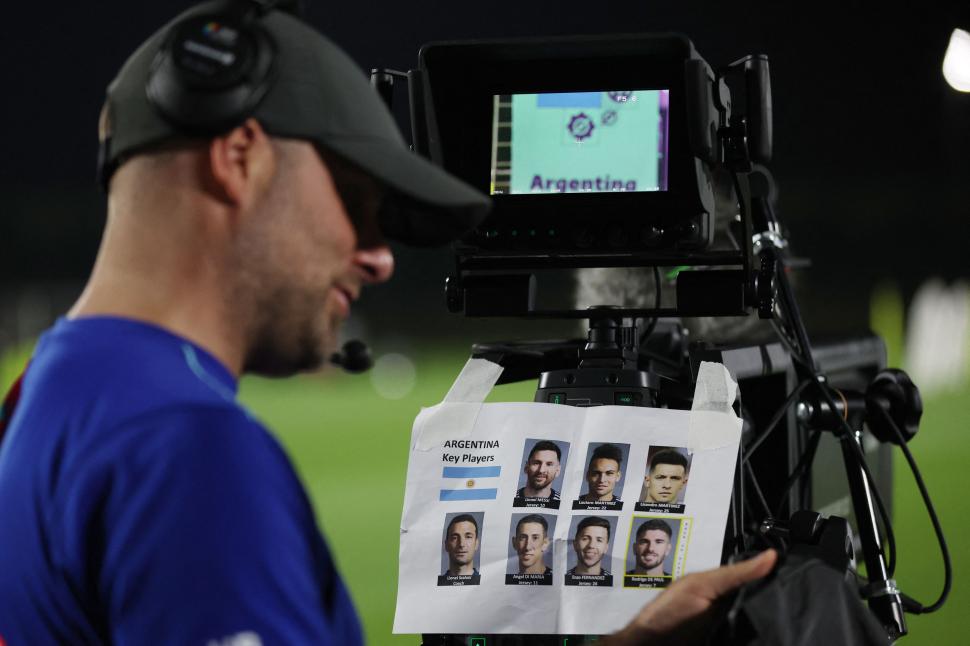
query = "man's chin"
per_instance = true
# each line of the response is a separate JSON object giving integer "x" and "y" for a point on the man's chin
{"x": 270, "y": 360}
{"x": 276, "y": 367}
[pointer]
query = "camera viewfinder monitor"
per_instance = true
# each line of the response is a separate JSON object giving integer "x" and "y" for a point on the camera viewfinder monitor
{"x": 583, "y": 143}
{"x": 580, "y": 142}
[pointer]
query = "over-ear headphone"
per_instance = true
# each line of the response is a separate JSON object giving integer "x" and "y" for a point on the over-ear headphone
{"x": 209, "y": 75}
{"x": 213, "y": 69}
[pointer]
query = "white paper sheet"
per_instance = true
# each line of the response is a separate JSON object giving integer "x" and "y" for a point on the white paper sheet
{"x": 463, "y": 547}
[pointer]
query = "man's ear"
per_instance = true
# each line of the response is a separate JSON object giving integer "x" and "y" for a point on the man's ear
{"x": 242, "y": 163}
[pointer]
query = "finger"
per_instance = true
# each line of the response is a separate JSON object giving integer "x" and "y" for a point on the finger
{"x": 735, "y": 575}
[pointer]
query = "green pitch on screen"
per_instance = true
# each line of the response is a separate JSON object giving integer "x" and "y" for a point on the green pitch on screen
{"x": 585, "y": 142}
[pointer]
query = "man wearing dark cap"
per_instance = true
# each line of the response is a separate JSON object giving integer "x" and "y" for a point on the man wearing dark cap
{"x": 252, "y": 177}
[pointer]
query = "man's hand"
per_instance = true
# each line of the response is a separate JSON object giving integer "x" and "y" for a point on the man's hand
{"x": 683, "y": 612}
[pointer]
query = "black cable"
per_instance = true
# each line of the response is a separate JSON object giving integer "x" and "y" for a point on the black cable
{"x": 794, "y": 315}
{"x": 947, "y": 565}
{"x": 778, "y": 416}
{"x": 806, "y": 459}
{"x": 786, "y": 341}
{"x": 757, "y": 489}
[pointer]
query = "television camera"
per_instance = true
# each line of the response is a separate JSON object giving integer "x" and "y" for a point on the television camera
{"x": 621, "y": 152}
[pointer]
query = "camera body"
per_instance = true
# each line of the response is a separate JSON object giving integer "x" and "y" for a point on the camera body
{"x": 597, "y": 151}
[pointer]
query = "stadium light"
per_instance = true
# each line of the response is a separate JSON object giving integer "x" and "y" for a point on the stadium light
{"x": 956, "y": 61}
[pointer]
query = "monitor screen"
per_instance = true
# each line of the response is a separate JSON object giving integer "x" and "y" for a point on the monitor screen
{"x": 580, "y": 142}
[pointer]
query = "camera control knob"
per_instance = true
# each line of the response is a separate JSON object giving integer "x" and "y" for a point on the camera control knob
{"x": 893, "y": 395}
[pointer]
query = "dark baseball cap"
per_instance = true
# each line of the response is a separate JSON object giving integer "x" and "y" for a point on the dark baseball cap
{"x": 317, "y": 94}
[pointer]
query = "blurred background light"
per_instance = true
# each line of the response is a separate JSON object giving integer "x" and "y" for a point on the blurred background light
{"x": 956, "y": 61}
{"x": 393, "y": 376}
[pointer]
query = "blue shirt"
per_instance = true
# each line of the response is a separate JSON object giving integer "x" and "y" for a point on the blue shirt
{"x": 140, "y": 504}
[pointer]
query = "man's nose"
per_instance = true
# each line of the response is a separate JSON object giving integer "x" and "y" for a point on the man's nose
{"x": 376, "y": 262}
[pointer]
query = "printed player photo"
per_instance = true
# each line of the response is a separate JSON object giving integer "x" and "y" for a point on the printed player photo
{"x": 541, "y": 478}
{"x": 460, "y": 544}
{"x": 604, "y": 477}
{"x": 652, "y": 550}
{"x": 590, "y": 561}
{"x": 530, "y": 550}
{"x": 665, "y": 480}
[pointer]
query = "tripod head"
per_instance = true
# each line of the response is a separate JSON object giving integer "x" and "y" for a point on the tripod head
{"x": 608, "y": 369}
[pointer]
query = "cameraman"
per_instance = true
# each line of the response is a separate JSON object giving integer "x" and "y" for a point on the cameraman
{"x": 141, "y": 503}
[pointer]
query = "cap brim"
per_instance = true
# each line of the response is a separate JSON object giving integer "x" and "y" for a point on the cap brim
{"x": 426, "y": 206}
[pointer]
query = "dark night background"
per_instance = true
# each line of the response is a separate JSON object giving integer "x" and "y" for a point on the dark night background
{"x": 871, "y": 144}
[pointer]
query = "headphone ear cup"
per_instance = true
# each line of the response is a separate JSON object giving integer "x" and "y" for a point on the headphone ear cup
{"x": 211, "y": 73}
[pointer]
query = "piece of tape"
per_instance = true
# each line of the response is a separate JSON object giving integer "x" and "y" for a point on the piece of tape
{"x": 456, "y": 415}
{"x": 713, "y": 423}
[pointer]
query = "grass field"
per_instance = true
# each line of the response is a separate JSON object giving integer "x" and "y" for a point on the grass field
{"x": 351, "y": 446}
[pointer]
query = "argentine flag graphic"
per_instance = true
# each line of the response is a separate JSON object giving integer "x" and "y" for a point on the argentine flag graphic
{"x": 470, "y": 483}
